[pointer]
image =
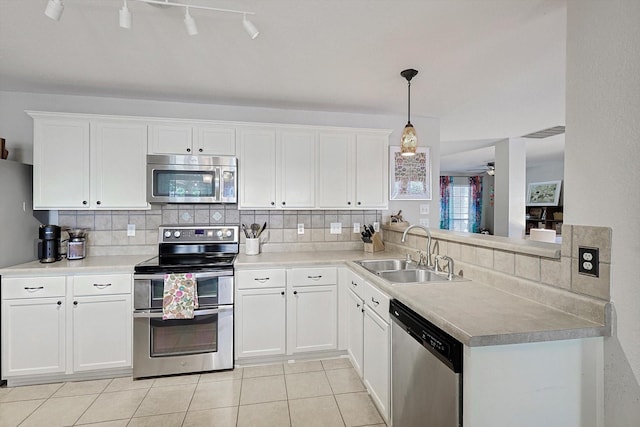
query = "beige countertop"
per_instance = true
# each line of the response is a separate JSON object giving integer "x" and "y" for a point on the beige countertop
{"x": 474, "y": 313}
{"x": 88, "y": 265}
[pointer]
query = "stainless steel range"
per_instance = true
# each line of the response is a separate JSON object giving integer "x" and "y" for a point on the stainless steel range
{"x": 204, "y": 343}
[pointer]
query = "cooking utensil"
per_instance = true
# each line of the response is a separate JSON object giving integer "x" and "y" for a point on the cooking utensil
{"x": 262, "y": 229}
{"x": 246, "y": 233}
{"x": 255, "y": 229}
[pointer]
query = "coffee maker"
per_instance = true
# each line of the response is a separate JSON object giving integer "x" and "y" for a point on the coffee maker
{"x": 49, "y": 244}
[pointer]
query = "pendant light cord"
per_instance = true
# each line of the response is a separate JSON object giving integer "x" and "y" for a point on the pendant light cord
{"x": 409, "y": 102}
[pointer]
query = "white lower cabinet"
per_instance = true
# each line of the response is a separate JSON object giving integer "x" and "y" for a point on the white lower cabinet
{"x": 286, "y": 311}
{"x": 65, "y": 324}
{"x": 369, "y": 339}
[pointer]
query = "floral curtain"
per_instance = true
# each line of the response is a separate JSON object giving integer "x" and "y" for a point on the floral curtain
{"x": 475, "y": 203}
{"x": 446, "y": 182}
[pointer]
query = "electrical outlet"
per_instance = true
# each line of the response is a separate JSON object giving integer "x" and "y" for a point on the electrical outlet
{"x": 356, "y": 227}
{"x": 588, "y": 261}
{"x": 376, "y": 226}
{"x": 424, "y": 209}
{"x": 424, "y": 222}
{"x": 300, "y": 228}
{"x": 336, "y": 228}
{"x": 131, "y": 230}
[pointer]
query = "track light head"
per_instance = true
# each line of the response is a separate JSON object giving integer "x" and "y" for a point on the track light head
{"x": 190, "y": 23}
{"x": 125, "y": 16}
{"x": 250, "y": 28}
{"x": 54, "y": 9}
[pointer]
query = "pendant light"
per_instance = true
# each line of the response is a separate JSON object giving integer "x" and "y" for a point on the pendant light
{"x": 409, "y": 139}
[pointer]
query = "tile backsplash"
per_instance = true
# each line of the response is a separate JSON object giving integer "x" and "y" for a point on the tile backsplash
{"x": 108, "y": 229}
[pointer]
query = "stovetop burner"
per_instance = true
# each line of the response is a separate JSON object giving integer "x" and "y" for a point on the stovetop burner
{"x": 187, "y": 249}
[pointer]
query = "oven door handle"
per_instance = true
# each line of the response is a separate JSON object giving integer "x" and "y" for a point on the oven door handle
{"x": 157, "y": 314}
{"x": 209, "y": 274}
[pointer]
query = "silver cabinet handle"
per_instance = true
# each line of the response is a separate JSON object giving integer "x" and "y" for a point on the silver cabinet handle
{"x": 33, "y": 288}
{"x": 374, "y": 301}
{"x": 261, "y": 279}
{"x": 314, "y": 277}
{"x": 101, "y": 285}
{"x": 157, "y": 314}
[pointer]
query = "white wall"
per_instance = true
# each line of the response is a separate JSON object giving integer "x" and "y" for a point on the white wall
{"x": 602, "y": 174}
{"x": 549, "y": 171}
{"x": 16, "y": 126}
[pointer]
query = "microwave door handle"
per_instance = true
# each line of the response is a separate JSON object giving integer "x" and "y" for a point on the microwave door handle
{"x": 157, "y": 314}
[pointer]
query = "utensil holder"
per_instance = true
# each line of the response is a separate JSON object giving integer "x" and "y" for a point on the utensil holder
{"x": 376, "y": 245}
{"x": 252, "y": 246}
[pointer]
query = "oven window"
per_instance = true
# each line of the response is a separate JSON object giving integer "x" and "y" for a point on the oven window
{"x": 167, "y": 183}
{"x": 181, "y": 337}
{"x": 207, "y": 292}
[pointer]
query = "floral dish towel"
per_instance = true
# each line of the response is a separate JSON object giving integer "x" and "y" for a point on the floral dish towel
{"x": 180, "y": 297}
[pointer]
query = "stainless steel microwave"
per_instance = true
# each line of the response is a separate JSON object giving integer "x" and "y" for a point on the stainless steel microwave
{"x": 191, "y": 179}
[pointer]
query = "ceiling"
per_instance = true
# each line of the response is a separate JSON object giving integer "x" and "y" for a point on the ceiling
{"x": 488, "y": 69}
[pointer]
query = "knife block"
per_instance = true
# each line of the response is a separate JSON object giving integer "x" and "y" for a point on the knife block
{"x": 376, "y": 244}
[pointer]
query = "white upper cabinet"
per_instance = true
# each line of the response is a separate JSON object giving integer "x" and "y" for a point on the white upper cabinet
{"x": 192, "y": 139}
{"x": 81, "y": 163}
{"x": 277, "y": 168}
{"x": 61, "y": 162}
{"x": 353, "y": 170}
{"x": 117, "y": 172}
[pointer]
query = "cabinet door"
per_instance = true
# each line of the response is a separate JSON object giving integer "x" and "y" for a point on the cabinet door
{"x": 173, "y": 138}
{"x": 297, "y": 150}
{"x": 101, "y": 332}
{"x": 376, "y": 360}
{"x": 372, "y": 176}
{"x": 33, "y": 336}
{"x": 312, "y": 317}
{"x": 219, "y": 141}
{"x": 260, "y": 322}
{"x": 257, "y": 166}
{"x": 119, "y": 165}
{"x": 336, "y": 170}
{"x": 355, "y": 334}
{"x": 61, "y": 164}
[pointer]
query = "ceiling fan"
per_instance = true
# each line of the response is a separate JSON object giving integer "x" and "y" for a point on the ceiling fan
{"x": 489, "y": 169}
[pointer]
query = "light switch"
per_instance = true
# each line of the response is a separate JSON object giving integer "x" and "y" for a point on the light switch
{"x": 131, "y": 230}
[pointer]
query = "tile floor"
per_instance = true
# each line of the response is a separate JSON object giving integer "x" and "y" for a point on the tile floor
{"x": 322, "y": 393}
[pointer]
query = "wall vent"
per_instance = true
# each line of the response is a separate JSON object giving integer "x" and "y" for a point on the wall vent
{"x": 545, "y": 133}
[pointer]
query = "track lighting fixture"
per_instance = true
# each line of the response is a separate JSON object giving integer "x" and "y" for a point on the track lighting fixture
{"x": 55, "y": 7}
{"x": 125, "y": 16}
{"x": 249, "y": 27}
{"x": 190, "y": 24}
{"x": 409, "y": 139}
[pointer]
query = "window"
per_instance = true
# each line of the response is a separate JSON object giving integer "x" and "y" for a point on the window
{"x": 460, "y": 196}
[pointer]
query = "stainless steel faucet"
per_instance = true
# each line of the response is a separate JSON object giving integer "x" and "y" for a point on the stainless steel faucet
{"x": 449, "y": 265}
{"x": 426, "y": 230}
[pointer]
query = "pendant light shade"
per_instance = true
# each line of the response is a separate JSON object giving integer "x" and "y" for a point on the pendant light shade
{"x": 409, "y": 139}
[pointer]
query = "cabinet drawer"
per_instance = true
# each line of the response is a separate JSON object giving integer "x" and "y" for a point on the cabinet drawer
{"x": 356, "y": 284}
{"x": 252, "y": 279}
{"x": 33, "y": 287}
{"x": 101, "y": 284}
{"x": 312, "y": 276}
{"x": 377, "y": 300}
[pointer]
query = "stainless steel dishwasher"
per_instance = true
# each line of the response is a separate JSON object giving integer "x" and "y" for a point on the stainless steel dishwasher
{"x": 426, "y": 372}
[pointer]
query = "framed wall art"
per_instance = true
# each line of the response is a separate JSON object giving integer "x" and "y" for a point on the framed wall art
{"x": 543, "y": 193}
{"x": 410, "y": 175}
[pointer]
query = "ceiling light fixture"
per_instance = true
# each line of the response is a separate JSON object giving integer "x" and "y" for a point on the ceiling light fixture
{"x": 491, "y": 168}
{"x": 190, "y": 24}
{"x": 54, "y": 9}
{"x": 409, "y": 139}
{"x": 125, "y": 16}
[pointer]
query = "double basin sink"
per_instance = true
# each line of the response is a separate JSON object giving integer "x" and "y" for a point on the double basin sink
{"x": 399, "y": 271}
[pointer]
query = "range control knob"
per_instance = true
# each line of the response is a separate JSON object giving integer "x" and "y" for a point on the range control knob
{"x": 167, "y": 234}
{"x": 219, "y": 233}
{"x": 176, "y": 234}
{"x": 228, "y": 233}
